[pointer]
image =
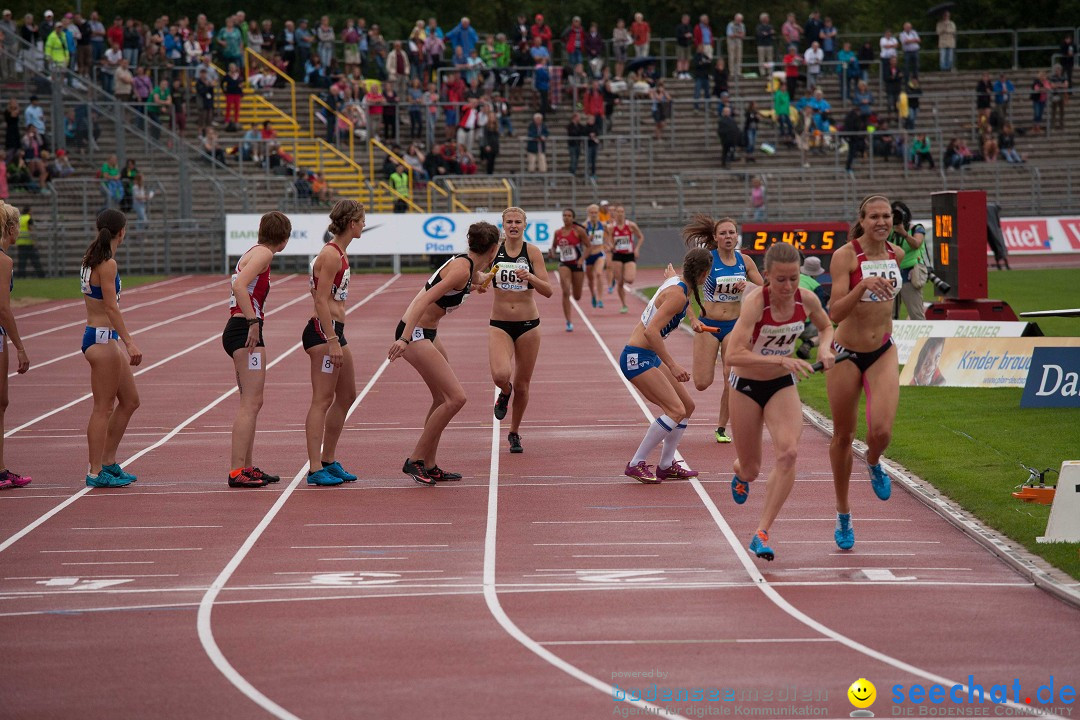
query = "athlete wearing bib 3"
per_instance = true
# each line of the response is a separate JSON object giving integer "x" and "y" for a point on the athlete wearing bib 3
{"x": 333, "y": 379}
{"x": 625, "y": 239}
{"x": 243, "y": 342}
{"x": 513, "y": 340}
{"x": 595, "y": 257}
{"x": 723, "y": 291}
{"x": 416, "y": 340}
{"x": 866, "y": 278}
{"x": 569, "y": 248}
{"x": 110, "y": 376}
{"x": 763, "y": 375}
{"x": 9, "y": 233}
{"x": 646, "y": 363}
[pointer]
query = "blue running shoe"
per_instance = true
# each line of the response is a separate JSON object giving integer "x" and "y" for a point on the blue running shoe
{"x": 880, "y": 482}
{"x": 105, "y": 480}
{"x": 337, "y": 471}
{"x": 599, "y": 303}
{"x": 569, "y": 327}
{"x": 116, "y": 471}
{"x": 322, "y": 477}
{"x": 844, "y": 534}
{"x": 739, "y": 490}
{"x": 594, "y": 301}
{"x": 760, "y": 547}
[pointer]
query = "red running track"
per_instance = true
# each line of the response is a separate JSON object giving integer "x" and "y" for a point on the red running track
{"x": 528, "y": 589}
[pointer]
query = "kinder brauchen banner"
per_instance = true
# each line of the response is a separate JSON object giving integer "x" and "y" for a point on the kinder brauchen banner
{"x": 975, "y": 362}
{"x": 906, "y": 333}
{"x": 388, "y": 233}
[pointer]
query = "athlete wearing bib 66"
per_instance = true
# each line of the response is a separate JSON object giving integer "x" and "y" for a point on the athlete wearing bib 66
{"x": 333, "y": 379}
{"x": 866, "y": 278}
{"x": 243, "y": 342}
{"x": 569, "y": 248}
{"x": 763, "y": 375}
{"x": 731, "y": 275}
{"x": 416, "y": 340}
{"x": 595, "y": 257}
{"x": 645, "y": 362}
{"x": 625, "y": 239}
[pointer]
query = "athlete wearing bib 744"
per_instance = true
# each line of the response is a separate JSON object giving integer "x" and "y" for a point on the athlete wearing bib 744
{"x": 763, "y": 375}
{"x": 416, "y": 340}
{"x": 646, "y": 363}
{"x": 866, "y": 278}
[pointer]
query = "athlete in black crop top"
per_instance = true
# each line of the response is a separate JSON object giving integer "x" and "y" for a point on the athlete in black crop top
{"x": 416, "y": 340}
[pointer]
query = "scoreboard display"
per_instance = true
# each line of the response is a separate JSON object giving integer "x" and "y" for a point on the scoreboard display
{"x": 820, "y": 239}
{"x": 959, "y": 252}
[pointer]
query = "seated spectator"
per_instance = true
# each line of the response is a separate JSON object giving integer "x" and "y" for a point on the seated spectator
{"x": 984, "y": 91}
{"x": 320, "y": 190}
{"x": 210, "y": 148}
{"x": 1007, "y": 144}
{"x": 414, "y": 157}
{"x": 957, "y": 154}
{"x": 450, "y": 155}
{"x": 864, "y": 99}
{"x": 315, "y": 74}
{"x": 466, "y": 162}
{"x": 61, "y": 166}
{"x": 18, "y": 173}
{"x": 261, "y": 77}
{"x": 921, "y": 153}
{"x": 886, "y": 144}
{"x": 250, "y": 145}
{"x": 990, "y": 149}
{"x": 140, "y": 197}
{"x": 111, "y": 187}
{"x": 435, "y": 163}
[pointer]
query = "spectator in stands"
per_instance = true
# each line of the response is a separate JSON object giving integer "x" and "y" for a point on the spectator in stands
{"x": 792, "y": 60}
{"x": 542, "y": 85}
{"x": 782, "y": 112}
{"x": 894, "y": 82}
{"x": 829, "y": 43}
{"x": 1059, "y": 96}
{"x": 887, "y": 144}
{"x": 594, "y": 128}
{"x": 611, "y": 89}
{"x": 661, "y": 108}
{"x": 914, "y": 96}
{"x": 805, "y": 137}
{"x": 159, "y": 106}
{"x": 1067, "y": 56}
{"x": 641, "y": 34}
{"x": 910, "y": 43}
{"x": 575, "y": 139}
{"x": 324, "y": 37}
{"x": 867, "y": 55}
{"x": 1007, "y": 144}
{"x": 791, "y": 31}
{"x": 127, "y": 179}
{"x": 233, "y": 87}
{"x": 848, "y": 69}
{"x": 813, "y": 57}
{"x": 854, "y": 123}
{"x": 989, "y": 145}
{"x": 684, "y": 47}
{"x": 888, "y": 47}
{"x": 520, "y": 41}
{"x": 304, "y": 40}
{"x": 538, "y": 51}
{"x": 33, "y": 148}
{"x": 703, "y": 38}
{"x": 204, "y": 94}
{"x": 594, "y": 50}
{"x": 1003, "y": 93}
{"x": 18, "y": 173}
{"x": 8, "y": 33}
{"x": 984, "y": 90}
{"x": 489, "y": 143}
{"x": 757, "y": 198}
{"x": 1040, "y": 95}
{"x": 140, "y": 198}
{"x": 230, "y": 43}
{"x": 464, "y": 36}
{"x": 765, "y": 36}
{"x": 110, "y": 61}
{"x": 211, "y": 72}
{"x": 416, "y": 50}
{"x": 56, "y": 49}
{"x": 378, "y": 49}
{"x": 12, "y": 133}
{"x": 620, "y": 44}
{"x": 111, "y": 186}
{"x": 921, "y": 152}
{"x": 574, "y": 41}
{"x": 730, "y": 136}
{"x": 434, "y": 163}
{"x": 957, "y": 154}
{"x": 536, "y": 145}
{"x": 751, "y": 118}
{"x": 736, "y": 33}
{"x": 720, "y": 78}
{"x": 542, "y": 30}
{"x": 398, "y": 69}
{"x": 34, "y": 116}
{"x": 123, "y": 82}
{"x": 701, "y": 69}
{"x": 946, "y": 38}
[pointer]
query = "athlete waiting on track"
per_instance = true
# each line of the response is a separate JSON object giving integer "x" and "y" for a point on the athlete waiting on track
{"x": 513, "y": 339}
{"x": 416, "y": 340}
{"x": 9, "y": 233}
{"x": 646, "y": 363}
{"x": 626, "y": 240}
{"x": 333, "y": 379}
{"x": 866, "y": 278}
{"x": 725, "y": 286}
{"x": 243, "y": 342}
{"x": 595, "y": 258}
{"x": 763, "y": 374}
{"x": 569, "y": 248}
{"x": 111, "y": 380}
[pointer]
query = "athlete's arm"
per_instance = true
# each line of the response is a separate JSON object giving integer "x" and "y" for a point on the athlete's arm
{"x": 455, "y": 276}
{"x": 821, "y": 321}
{"x": 539, "y": 276}
{"x": 583, "y": 244}
{"x": 259, "y": 259}
{"x": 7, "y": 318}
{"x": 107, "y": 279}
{"x": 640, "y": 242}
{"x": 844, "y": 297}
{"x": 752, "y": 272}
{"x": 325, "y": 270}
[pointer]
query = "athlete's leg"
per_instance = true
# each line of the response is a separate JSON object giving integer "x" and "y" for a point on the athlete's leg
{"x": 344, "y": 395}
{"x": 324, "y": 379}
{"x": 441, "y": 380}
{"x": 250, "y": 382}
{"x": 844, "y": 385}
{"x": 526, "y": 348}
{"x": 127, "y": 402}
{"x": 105, "y": 361}
{"x": 783, "y": 417}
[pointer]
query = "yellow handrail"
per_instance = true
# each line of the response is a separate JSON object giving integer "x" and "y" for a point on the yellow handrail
{"x": 432, "y": 186}
{"x": 408, "y": 201}
{"x": 277, "y": 71}
{"x": 454, "y": 202}
{"x": 312, "y": 101}
{"x": 509, "y": 192}
{"x": 285, "y": 119}
{"x": 396, "y": 158}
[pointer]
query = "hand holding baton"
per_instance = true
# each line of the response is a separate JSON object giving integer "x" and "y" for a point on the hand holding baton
{"x": 840, "y": 356}
{"x": 487, "y": 280}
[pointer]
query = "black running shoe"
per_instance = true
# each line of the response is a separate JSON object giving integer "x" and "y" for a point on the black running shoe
{"x": 515, "y": 443}
{"x": 437, "y": 474}
{"x": 418, "y": 472}
{"x": 257, "y": 473}
{"x": 244, "y": 479}
{"x": 501, "y": 403}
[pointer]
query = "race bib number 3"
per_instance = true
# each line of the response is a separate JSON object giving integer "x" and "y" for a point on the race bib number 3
{"x": 255, "y": 361}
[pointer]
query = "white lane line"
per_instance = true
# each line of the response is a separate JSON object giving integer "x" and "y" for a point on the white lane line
{"x": 361, "y": 559}
{"x": 372, "y": 524}
{"x": 861, "y": 541}
{"x": 186, "y": 549}
{"x": 833, "y": 520}
{"x": 751, "y": 569}
{"x": 491, "y": 594}
{"x": 79, "y": 303}
{"x": 110, "y": 575}
{"x": 147, "y": 527}
{"x": 114, "y": 562}
{"x": 613, "y": 543}
{"x": 597, "y": 522}
{"x": 614, "y": 556}
{"x": 345, "y": 547}
{"x": 720, "y": 641}
{"x": 847, "y": 554}
{"x": 221, "y": 398}
{"x": 206, "y": 604}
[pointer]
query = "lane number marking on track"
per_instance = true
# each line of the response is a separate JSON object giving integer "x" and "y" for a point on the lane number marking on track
{"x": 74, "y": 583}
{"x": 621, "y": 576}
{"x": 884, "y": 575}
{"x": 355, "y": 579}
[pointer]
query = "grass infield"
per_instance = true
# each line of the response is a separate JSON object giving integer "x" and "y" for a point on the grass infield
{"x": 32, "y": 290}
{"x": 969, "y": 442}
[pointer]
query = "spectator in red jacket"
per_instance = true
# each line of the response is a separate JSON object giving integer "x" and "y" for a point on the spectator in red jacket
{"x": 641, "y": 33}
{"x": 541, "y": 30}
{"x": 703, "y": 37}
{"x": 593, "y": 102}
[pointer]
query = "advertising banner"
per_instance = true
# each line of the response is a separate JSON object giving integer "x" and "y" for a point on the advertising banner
{"x": 907, "y": 332}
{"x": 975, "y": 362}
{"x": 388, "y": 233}
{"x": 1054, "y": 378}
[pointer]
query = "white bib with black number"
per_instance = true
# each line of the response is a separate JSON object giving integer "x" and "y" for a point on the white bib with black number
{"x": 887, "y": 269}
{"x": 342, "y": 293}
{"x": 506, "y": 276}
{"x": 567, "y": 253}
{"x": 778, "y": 339}
{"x": 417, "y": 334}
{"x": 84, "y": 280}
{"x": 624, "y": 244}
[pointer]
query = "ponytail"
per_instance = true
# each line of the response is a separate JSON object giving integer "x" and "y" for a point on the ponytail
{"x": 695, "y": 264}
{"x": 110, "y": 223}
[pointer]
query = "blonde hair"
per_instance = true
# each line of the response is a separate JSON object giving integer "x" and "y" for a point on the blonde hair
{"x": 9, "y": 217}
{"x": 514, "y": 208}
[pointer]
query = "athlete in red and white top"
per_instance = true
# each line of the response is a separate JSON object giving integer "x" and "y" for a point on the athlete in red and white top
{"x": 625, "y": 239}
{"x": 243, "y": 342}
{"x": 763, "y": 374}
{"x": 866, "y": 278}
{"x": 333, "y": 379}
{"x": 569, "y": 247}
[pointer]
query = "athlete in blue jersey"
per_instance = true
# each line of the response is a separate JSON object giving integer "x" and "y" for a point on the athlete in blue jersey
{"x": 646, "y": 363}
{"x": 723, "y": 291}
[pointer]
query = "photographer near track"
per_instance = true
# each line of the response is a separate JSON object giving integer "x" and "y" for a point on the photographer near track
{"x": 913, "y": 269}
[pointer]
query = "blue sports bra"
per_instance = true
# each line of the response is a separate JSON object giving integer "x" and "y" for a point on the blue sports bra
{"x": 94, "y": 291}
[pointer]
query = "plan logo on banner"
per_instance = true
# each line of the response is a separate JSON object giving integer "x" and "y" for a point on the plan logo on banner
{"x": 439, "y": 227}
{"x": 1054, "y": 378}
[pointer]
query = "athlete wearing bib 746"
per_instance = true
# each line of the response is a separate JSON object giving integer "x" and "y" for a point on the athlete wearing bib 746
{"x": 866, "y": 278}
{"x": 763, "y": 375}
{"x": 646, "y": 363}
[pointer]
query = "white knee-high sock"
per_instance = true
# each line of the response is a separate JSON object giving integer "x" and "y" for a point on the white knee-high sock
{"x": 671, "y": 444}
{"x": 660, "y": 429}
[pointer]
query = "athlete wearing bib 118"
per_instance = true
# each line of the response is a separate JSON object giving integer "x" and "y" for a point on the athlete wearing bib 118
{"x": 866, "y": 278}
{"x": 595, "y": 257}
{"x": 110, "y": 376}
{"x": 763, "y": 375}
{"x": 513, "y": 338}
{"x": 9, "y": 233}
{"x": 333, "y": 379}
{"x": 725, "y": 286}
{"x": 416, "y": 340}
{"x": 625, "y": 239}
{"x": 243, "y": 342}
{"x": 569, "y": 248}
{"x": 646, "y": 363}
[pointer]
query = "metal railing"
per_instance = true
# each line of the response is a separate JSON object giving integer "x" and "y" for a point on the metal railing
{"x": 250, "y": 56}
